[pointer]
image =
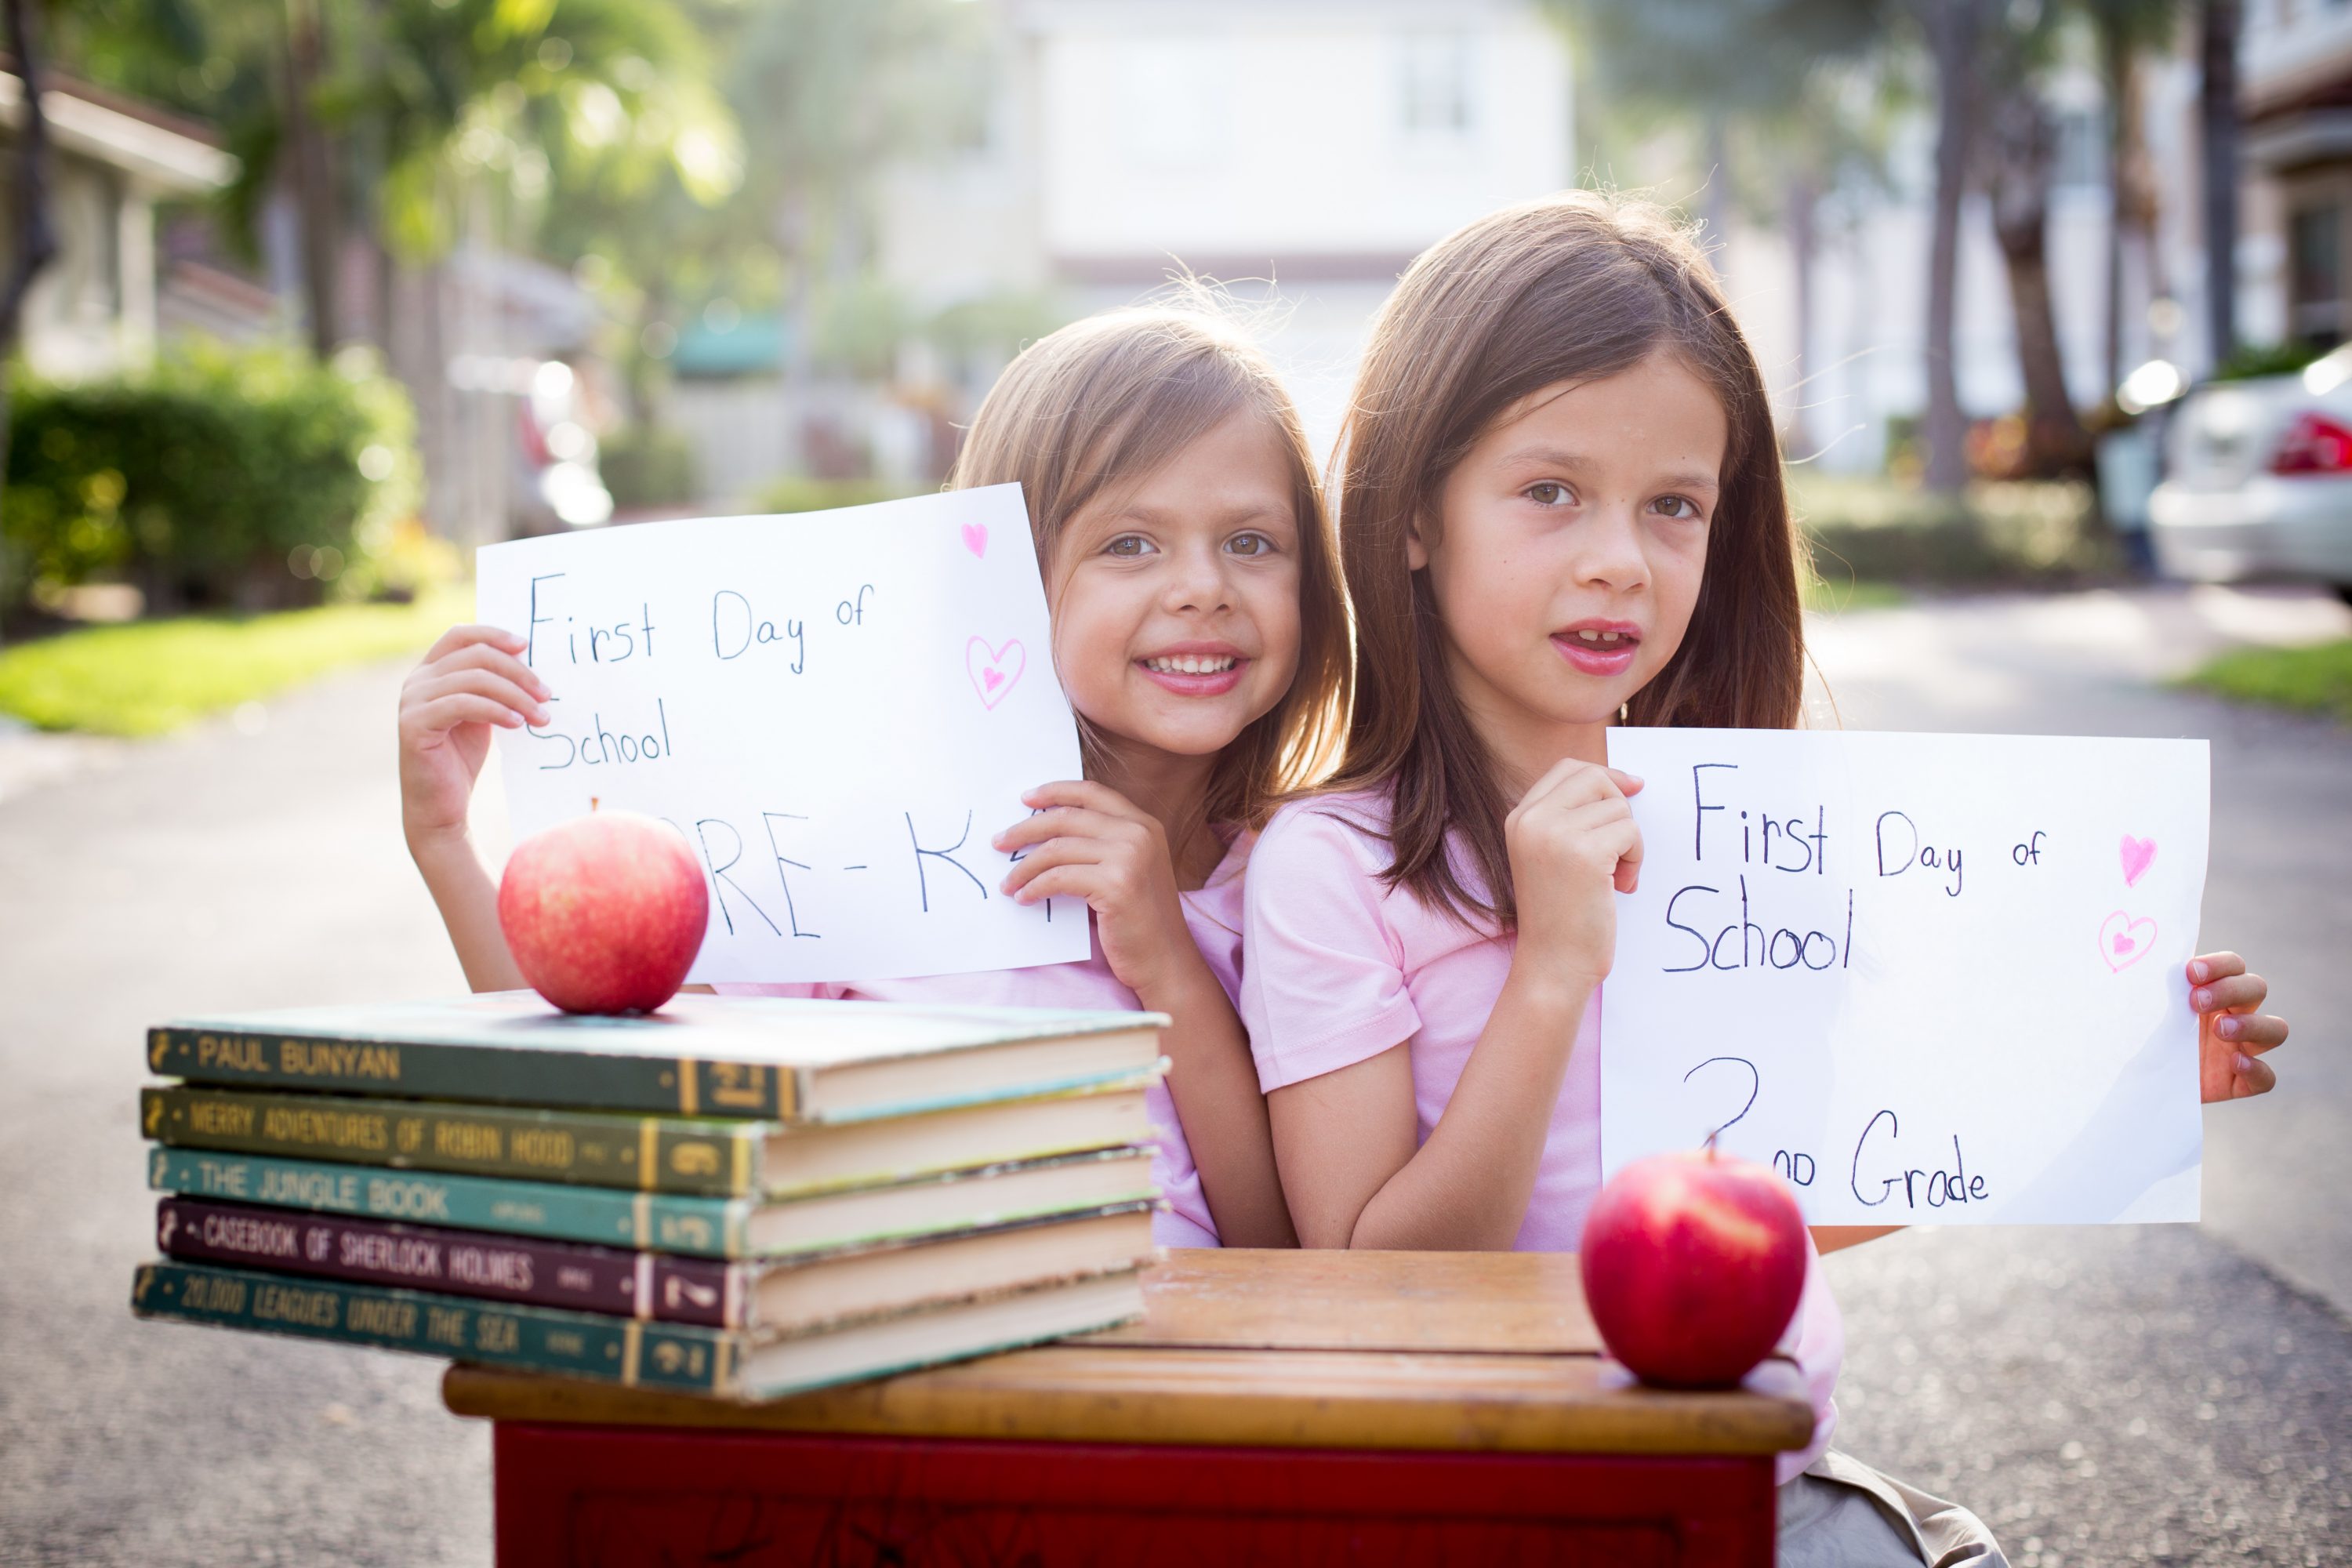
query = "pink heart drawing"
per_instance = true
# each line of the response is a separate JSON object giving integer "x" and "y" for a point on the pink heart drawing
{"x": 993, "y": 672}
{"x": 2137, "y": 853}
{"x": 2124, "y": 941}
{"x": 975, "y": 538}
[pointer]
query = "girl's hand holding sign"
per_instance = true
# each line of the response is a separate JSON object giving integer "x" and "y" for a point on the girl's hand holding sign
{"x": 1089, "y": 841}
{"x": 1573, "y": 847}
{"x": 2230, "y": 1036}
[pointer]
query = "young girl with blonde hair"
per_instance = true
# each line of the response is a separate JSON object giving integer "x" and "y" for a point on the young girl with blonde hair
{"x": 1560, "y": 507}
{"x": 1200, "y": 633}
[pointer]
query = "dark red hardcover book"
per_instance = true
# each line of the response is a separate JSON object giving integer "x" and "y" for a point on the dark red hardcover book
{"x": 650, "y": 1285}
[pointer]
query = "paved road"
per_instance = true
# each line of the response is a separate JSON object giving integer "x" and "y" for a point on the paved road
{"x": 2179, "y": 1394}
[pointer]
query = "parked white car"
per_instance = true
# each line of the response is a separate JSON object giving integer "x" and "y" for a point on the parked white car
{"x": 2258, "y": 480}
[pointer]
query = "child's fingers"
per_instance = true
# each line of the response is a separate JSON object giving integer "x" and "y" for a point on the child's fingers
{"x": 1051, "y": 855}
{"x": 2208, "y": 967}
{"x": 1627, "y": 783}
{"x": 1085, "y": 794}
{"x": 465, "y": 708}
{"x": 2252, "y": 1032}
{"x": 482, "y": 656}
{"x": 1058, "y": 821}
{"x": 2254, "y": 1077}
{"x": 2237, "y": 994}
{"x": 1081, "y": 882}
{"x": 482, "y": 683}
{"x": 459, "y": 636}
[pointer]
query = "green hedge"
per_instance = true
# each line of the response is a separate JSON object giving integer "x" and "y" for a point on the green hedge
{"x": 247, "y": 476}
{"x": 822, "y": 495}
{"x": 2038, "y": 532}
{"x": 648, "y": 466}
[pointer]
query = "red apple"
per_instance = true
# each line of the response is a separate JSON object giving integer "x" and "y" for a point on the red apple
{"x": 605, "y": 913}
{"x": 1693, "y": 1266}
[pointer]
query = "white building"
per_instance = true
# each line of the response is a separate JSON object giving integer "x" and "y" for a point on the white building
{"x": 95, "y": 308}
{"x": 1300, "y": 151}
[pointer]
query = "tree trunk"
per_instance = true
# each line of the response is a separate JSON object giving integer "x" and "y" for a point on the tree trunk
{"x": 36, "y": 240}
{"x": 2217, "y": 98}
{"x": 313, "y": 173}
{"x": 2021, "y": 148}
{"x": 1803, "y": 201}
{"x": 2123, "y": 121}
{"x": 1952, "y": 27}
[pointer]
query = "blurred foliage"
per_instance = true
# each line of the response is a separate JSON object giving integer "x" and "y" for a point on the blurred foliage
{"x": 1994, "y": 534}
{"x": 2316, "y": 679}
{"x": 822, "y": 495}
{"x": 250, "y": 477}
{"x": 155, "y": 676}
{"x": 2251, "y": 361}
{"x": 647, "y": 466}
{"x": 430, "y": 101}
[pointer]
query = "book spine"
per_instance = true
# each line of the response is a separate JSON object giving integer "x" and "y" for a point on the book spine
{"x": 644, "y": 1285}
{"x": 705, "y": 1227}
{"x": 595, "y": 1080}
{"x": 597, "y": 1148}
{"x": 578, "y": 1344}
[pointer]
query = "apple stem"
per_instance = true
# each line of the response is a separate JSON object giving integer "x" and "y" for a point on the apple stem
{"x": 592, "y": 803}
{"x": 1710, "y": 1141}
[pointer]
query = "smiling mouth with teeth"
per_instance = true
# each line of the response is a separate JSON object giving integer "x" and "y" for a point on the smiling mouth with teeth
{"x": 1191, "y": 664}
{"x": 1604, "y": 639}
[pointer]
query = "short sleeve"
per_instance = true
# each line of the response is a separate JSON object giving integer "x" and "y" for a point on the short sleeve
{"x": 1322, "y": 972}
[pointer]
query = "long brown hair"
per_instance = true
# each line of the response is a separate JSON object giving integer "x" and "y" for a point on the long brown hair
{"x": 1104, "y": 402}
{"x": 1569, "y": 288}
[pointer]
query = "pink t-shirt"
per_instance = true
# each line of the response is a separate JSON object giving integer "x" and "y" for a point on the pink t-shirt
{"x": 1214, "y": 913}
{"x": 1339, "y": 967}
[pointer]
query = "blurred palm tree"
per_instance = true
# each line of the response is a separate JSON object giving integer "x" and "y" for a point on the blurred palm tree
{"x": 411, "y": 119}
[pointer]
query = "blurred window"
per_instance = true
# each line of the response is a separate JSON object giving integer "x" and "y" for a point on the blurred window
{"x": 2316, "y": 270}
{"x": 1435, "y": 101}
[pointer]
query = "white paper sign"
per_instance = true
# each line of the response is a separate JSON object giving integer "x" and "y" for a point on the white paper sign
{"x": 1930, "y": 978}
{"x": 838, "y": 710}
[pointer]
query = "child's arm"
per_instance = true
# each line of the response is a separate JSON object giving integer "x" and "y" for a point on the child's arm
{"x": 469, "y": 681}
{"x": 2231, "y": 1038}
{"x": 1090, "y": 842}
{"x": 1346, "y": 1139}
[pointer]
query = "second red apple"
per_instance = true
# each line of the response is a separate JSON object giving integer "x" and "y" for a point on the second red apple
{"x": 1692, "y": 1265}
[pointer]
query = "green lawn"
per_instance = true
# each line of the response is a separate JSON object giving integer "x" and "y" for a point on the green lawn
{"x": 147, "y": 677}
{"x": 2315, "y": 679}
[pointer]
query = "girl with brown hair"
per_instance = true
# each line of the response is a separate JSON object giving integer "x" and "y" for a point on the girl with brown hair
{"x": 1560, "y": 507}
{"x": 1200, "y": 633}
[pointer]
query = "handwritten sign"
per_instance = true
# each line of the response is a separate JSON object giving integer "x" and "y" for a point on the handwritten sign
{"x": 1927, "y": 978}
{"x": 837, "y": 711}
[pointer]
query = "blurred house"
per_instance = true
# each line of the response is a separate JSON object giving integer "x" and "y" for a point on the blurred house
{"x": 2295, "y": 249}
{"x": 99, "y": 306}
{"x": 1301, "y": 151}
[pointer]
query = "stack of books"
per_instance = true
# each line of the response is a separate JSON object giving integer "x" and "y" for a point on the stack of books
{"x": 742, "y": 1197}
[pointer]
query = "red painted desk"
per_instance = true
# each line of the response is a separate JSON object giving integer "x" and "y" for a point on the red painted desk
{"x": 1290, "y": 1407}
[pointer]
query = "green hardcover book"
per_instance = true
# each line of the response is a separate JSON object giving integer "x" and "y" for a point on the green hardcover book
{"x": 722, "y": 1361}
{"x": 765, "y": 1058}
{"x": 656, "y": 1153}
{"x": 662, "y": 1222}
{"x": 646, "y": 1153}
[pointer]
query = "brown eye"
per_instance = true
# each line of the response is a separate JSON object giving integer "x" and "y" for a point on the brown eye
{"x": 1250, "y": 544}
{"x": 1127, "y": 546}
{"x": 1547, "y": 492}
{"x": 1677, "y": 506}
